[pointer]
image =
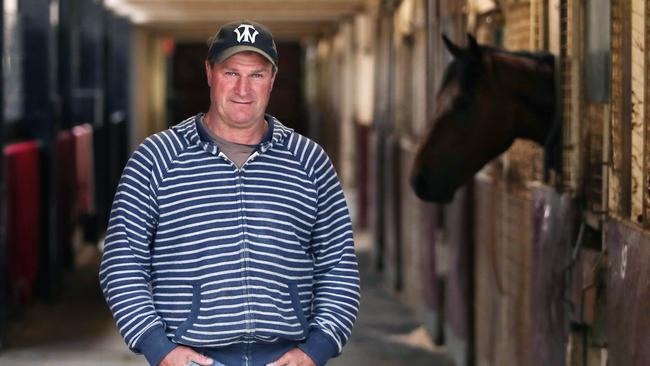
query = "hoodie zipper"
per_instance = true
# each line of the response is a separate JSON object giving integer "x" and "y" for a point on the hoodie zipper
{"x": 239, "y": 171}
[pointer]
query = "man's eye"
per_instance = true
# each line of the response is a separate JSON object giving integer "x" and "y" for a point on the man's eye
{"x": 230, "y": 73}
{"x": 256, "y": 76}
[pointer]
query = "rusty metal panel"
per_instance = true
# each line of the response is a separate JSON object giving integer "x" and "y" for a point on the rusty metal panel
{"x": 458, "y": 293}
{"x": 525, "y": 158}
{"x": 565, "y": 63}
{"x": 537, "y": 25}
{"x": 593, "y": 187}
{"x": 645, "y": 185}
{"x": 637, "y": 85}
{"x": 584, "y": 286}
{"x": 488, "y": 289}
{"x": 573, "y": 121}
{"x": 517, "y": 33}
{"x": 571, "y": 41}
{"x": 525, "y": 162}
{"x": 628, "y": 295}
{"x": 614, "y": 193}
{"x": 514, "y": 248}
{"x": 619, "y": 192}
{"x": 553, "y": 233}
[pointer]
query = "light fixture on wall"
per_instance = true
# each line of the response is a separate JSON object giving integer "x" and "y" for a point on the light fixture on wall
{"x": 123, "y": 8}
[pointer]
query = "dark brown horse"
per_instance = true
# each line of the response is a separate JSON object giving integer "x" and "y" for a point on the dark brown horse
{"x": 488, "y": 98}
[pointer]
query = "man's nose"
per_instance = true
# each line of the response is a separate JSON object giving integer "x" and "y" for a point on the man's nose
{"x": 242, "y": 86}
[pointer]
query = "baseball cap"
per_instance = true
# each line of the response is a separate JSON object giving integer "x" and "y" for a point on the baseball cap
{"x": 240, "y": 36}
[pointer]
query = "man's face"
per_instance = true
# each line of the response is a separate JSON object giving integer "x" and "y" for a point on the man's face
{"x": 240, "y": 88}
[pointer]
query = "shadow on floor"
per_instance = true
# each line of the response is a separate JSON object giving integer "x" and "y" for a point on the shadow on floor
{"x": 386, "y": 332}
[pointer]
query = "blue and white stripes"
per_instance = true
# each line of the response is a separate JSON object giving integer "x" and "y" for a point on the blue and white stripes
{"x": 204, "y": 254}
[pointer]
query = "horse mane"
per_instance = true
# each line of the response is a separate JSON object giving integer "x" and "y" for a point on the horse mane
{"x": 466, "y": 69}
{"x": 553, "y": 144}
{"x": 541, "y": 57}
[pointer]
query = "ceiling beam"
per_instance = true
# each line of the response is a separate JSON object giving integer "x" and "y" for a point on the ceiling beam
{"x": 218, "y": 15}
{"x": 202, "y": 31}
{"x": 198, "y": 19}
{"x": 240, "y": 4}
{"x": 249, "y": 5}
{"x": 149, "y": 11}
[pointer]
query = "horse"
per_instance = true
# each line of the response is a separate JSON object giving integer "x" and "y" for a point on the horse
{"x": 487, "y": 99}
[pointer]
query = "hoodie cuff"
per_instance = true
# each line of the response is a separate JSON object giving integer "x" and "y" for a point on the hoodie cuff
{"x": 319, "y": 347}
{"x": 155, "y": 345}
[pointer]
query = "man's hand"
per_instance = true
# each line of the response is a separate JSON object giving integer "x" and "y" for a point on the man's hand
{"x": 183, "y": 356}
{"x": 294, "y": 357}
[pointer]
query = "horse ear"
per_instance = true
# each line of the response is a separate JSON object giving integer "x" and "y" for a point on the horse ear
{"x": 472, "y": 45}
{"x": 453, "y": 49}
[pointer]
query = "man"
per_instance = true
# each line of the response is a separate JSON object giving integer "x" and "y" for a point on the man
{"x": 229, "y": 241}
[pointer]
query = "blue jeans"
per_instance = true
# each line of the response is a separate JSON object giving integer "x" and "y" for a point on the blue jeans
{"x": 248, "y": 354}
{"x": 216, "y": 363}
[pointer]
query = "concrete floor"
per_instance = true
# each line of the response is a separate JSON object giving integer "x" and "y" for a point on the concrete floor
{"x": 79, "y": 329}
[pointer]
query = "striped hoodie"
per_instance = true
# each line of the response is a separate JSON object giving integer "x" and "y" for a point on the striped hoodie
{"x": 201, "y": 253}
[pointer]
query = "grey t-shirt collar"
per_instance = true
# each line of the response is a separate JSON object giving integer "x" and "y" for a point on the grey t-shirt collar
{"x": 237, "y": 153}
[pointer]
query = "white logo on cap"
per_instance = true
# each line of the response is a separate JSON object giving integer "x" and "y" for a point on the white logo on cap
{"x": 246, "y": 35}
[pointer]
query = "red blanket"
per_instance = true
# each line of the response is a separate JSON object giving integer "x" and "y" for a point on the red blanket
{"x": 23, "y": 218}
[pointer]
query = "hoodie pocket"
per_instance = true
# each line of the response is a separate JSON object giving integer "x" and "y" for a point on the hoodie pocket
{"x": 194, "y": 312}
{"x": 297, "y": 307}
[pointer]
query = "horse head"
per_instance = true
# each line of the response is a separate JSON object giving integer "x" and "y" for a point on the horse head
{"x": 487, "y": 99}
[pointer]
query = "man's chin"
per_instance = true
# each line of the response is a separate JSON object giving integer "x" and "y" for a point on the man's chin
{"x": 245, "y": 120}
{"x": 244, "y": 112}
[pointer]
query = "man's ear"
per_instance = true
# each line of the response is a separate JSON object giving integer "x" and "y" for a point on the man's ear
{"x": 208, "y": 72}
